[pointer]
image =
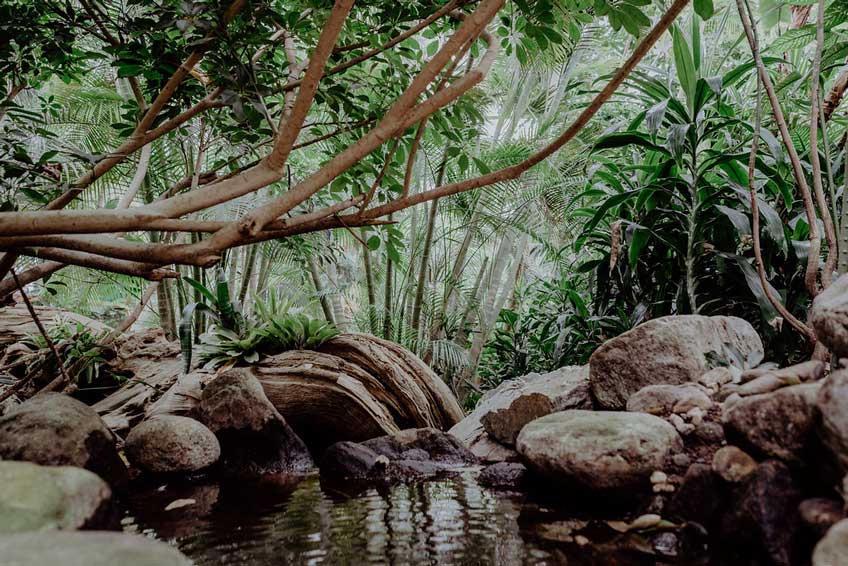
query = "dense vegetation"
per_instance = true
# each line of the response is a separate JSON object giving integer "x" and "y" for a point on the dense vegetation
{"x": 702, "y": 185}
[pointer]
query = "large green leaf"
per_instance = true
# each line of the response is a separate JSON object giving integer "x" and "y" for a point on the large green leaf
{"x": 684, "y": 65}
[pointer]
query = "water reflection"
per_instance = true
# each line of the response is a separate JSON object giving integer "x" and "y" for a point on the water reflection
{"x": 447, "y": 522}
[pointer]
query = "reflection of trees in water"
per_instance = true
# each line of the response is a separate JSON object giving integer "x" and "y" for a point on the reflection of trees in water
{"x": 444, "y": 522}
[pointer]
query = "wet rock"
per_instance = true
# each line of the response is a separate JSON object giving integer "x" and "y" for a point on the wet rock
{"x": 437, "y": 445}
{"x": 819, "y": 514}
{"x": 565, "y": 388}
{"x": 732, "y": 464}
{"x": 832, "y": 403}
{"x": 600, "y": 450}
{"x": 764, "y": 522}
{"x": 172, "y": 444}
{"x": 829, "y": 316}
{"x": 254, "y": 437}
{"x": 504, "y": 475}
{"x": 671, "y": 349}
{"x": 348, "y": 460}
{"x": 56, "y": 430}
{"x": 665, "y": 399}
{"x": 37, "y": 498}
{"x": 504, "y": 424}
{"x": 781, "y": 424}
{"x": 833, "y": 548}
{"x": 87, "y": 549}
{"x": 701, "y": 498}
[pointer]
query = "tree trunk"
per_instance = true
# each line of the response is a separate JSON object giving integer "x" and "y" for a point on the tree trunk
{"x": 247, "y": 272}
{"x": 319, "y": 288}
{"x": 422, "y": 272}
{"x": 369, "y": 285}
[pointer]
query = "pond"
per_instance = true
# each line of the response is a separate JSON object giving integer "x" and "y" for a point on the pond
{"x": 449, "y": 521}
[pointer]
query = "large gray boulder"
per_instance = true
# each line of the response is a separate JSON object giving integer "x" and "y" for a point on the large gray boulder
{"x": 516, "y": 402}
{"x": 832, "y": 550}
{"x": 172, "y": 444}
{"x": 832, "y": 403}
{"x": 56, "y": 430}
{"x": 87, "y": 548}
{"x": 671, "y": 349}
{"x": 601, "y": 450}
{"x": 36, "y": 498}
{"x": 829, "y": 316}
{"x": 781, "y": 424}
{"x": 255, "y": 438}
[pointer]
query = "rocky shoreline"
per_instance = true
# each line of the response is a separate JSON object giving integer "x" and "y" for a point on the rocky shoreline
{"x": 679, "y": 425}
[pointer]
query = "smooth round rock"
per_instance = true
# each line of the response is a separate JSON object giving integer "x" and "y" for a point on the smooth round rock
{"x": 832, "y": 550}
{"x": 601, "y": 450}
{"x": 35, "y": 498}
{"x": 172, "y": 444}
{"x": 732, "y": 464}
{"x": 87, "y": 548}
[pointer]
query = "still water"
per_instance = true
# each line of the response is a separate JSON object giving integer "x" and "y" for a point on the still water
{"x": 452, "y": 521}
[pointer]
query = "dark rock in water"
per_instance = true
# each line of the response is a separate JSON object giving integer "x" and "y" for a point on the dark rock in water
{"x": 829, "y": 317}
{"x": 254, "y": 437}
{"x": 348, "y": 460}
{"x": 819, "y": 514}
{"x": 832, "y": 403}
{"x": 565, "y": 388}
{"x": 87, "y": 548}
{"x": 408, "y": 455}
{"x": 172, "y": 444}
{"x": 832, "y": 550}
{"x": 504, "y": 424}
{"x": 504, "y": 475}
{"x": 781, "y": 424}
{"x": 599, "y": 450}
{"x": 664, "y": 399}
{"x": 763, "y": 521}
{"x": 56, "y": 430}
{"x": 439, "y": 446}
{"x": 701, "y": 498}
{"x": 671, "y": 349}
{"x": 37, "y": 498}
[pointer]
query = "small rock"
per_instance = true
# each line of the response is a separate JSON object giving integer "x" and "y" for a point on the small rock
{"x": 86, "y": 548}
{"x": 37, "y": 498}
{"x": 600, "y": 450}
{"x": 715, "y": 378}
{"x": 255, "y": 439}
{"x": 695, "y": 415}
{"x": 348, "y": 460}
{"x": 666, "y": 544}
{"x": 833, "y": 548}
{"x": 180, "y": 503}
{"x": 681, "y": 460}
{"x": 682, "y": 426}
{"x": 659, "y": 477}
{"x": 780, "y": 424}
{"x": 56, "y": 430}
{"x": 172, "y": 444}
{"x": 819, "y": 514}
{"x": 504, "y": 475}
{"x": 504, "y": 424}
{"x": 644, "y": 522}
{"x": 732, "y": 464}
{"x": 763, "y": 384}
{"x": 664, "y": 488}
{"x": 832, "y": 403}
{"x": 438, "y": 446}
{"x": 664, "y": 399}
{"x": 414, "y": 454}
{"x": 709, "y": 432}
{"x": 731, "y": 400}
{"x": 580, "y": 540}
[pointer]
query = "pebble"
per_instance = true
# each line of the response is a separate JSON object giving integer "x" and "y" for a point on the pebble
{"x": 681, "y": 460}
{"x": 580, "y": 540}
{"x": 682, "y": 426}
{"x": 643, "y": 522}
{"x": 659, "y": 477}
{"x": 664, "y": 488}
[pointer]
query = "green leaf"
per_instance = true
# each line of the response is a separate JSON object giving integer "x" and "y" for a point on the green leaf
{"x": 704, "y": 8}
{"x": 684, "y": 65}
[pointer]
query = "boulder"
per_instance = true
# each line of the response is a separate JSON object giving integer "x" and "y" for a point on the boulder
{"x": 56, "y": 430}
{"x": 254, "y": 437}
{"x": 763, "y": 522}
{"x": 565, "y": 388}
{"x": 172, "y": 444}
{"x": 87, "y": 548}
{"x": 665, "y": 399}
{"x": 348, "y": 460}
{"x": 833, "y": 548}
{"x": 36, "y": 498}
{"x": 732, "y": 464}
{"x": 600, "y": 450}
{"x": 832, "y": 403}
{"x": 436, "y": 445}
{"x": 781, "y": 424}
{"x": 671, "y": 349}
{"x": 504, "y": 475}
{"x": 829, "y": 317}
{"x": 504, "y": 424}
